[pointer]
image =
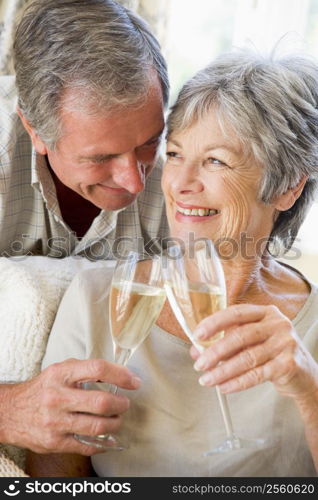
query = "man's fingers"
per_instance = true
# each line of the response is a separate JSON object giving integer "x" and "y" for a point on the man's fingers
{"x": 70, "y": 445}
{"x": 73, "y": 371}
{"x": 92, "y": 425}
{"x": 98, "y": 402}
{"x": 55, "y": 432}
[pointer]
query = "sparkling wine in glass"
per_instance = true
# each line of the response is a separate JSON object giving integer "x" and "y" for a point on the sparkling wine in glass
{"x": 136, "y": 299}
{"x": 195, "y": 286}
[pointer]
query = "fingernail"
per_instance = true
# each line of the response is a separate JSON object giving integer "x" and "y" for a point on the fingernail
{"x": 206, "y": 379}
{"x": 199, "y": 334}
{"x": 136, "y": 382}
{"x": 200, "y": 364}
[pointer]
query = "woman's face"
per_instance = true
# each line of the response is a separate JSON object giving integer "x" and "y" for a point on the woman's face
{"x": 210, "y": 188}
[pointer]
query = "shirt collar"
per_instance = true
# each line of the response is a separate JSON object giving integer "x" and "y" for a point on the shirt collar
{"x": 41, "y": 180}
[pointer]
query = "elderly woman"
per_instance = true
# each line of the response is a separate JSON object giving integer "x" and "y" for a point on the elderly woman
{"x": 241, "y": 169}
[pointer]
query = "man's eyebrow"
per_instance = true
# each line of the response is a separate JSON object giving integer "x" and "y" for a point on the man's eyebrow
{"x": 98, "y": 157}
{"x": 108, "y": 156}
{"x": 154, "y": 137}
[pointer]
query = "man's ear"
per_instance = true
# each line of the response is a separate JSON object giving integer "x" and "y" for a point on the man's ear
{"x": 286, "y": 200}
{"x": 38, "y": 144}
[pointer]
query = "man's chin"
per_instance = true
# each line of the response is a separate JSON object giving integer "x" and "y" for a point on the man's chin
{"x": 113, "y": 205}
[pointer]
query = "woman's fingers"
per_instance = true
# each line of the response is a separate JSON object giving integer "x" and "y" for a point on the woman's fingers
{"x": 254, "y": 351}
{"x": 247, "y": 360}
{"x": 228, "y": 318}
{"x": 234, "y": 341}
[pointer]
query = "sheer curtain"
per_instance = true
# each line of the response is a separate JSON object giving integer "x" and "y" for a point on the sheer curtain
{"x": 9, "y": 13}
{"x": 154, "y": 11}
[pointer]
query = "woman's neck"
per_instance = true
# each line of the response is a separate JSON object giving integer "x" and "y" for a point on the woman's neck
{"x": 265, "y": 281}
{"x": 261, "y": 281}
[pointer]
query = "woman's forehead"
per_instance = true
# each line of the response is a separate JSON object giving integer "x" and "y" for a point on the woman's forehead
{"x": 209, "y": 130}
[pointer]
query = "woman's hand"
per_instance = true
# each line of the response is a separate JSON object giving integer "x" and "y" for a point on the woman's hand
{"x": 259, "y": 345}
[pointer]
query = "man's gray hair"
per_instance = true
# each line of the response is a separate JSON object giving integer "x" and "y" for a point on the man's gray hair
{"x": 271, "y": 104}
{"x": 104, "y": 51}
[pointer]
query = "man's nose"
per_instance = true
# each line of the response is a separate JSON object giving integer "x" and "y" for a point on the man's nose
{"x": 129, "y": 173}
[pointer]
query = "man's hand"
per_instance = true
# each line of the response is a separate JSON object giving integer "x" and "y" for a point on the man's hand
{"x": 44, "y": 413}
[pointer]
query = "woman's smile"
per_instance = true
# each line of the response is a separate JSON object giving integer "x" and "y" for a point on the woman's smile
{"x": 193, "y": 213}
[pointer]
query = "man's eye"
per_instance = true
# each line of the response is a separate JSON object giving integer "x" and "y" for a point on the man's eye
{"x": 101, "y": 160}
{"x": 153, "y": 143}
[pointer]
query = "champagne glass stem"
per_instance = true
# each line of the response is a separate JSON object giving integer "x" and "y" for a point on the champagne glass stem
{"x": 225, "y": 413}
{"x": 121, "y": 355}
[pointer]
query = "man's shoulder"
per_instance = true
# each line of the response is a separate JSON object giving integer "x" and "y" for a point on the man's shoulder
{"x": 153, "y": 184}
{"x": 8, "y": 94}
{"x": 9, "y": 118}
{"x": 12, "y": 133}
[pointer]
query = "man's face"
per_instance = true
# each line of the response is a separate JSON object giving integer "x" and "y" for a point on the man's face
{"x": 106, "y": 158}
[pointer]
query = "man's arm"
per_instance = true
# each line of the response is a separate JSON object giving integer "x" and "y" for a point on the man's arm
{"x": 58, "y": 465}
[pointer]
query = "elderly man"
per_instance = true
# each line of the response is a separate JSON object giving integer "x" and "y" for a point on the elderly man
{"x": 78, "y": 148}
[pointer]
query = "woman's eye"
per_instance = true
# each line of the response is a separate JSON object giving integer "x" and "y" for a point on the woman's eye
{"x": 214, "y": 164}
{"x": 173, "y": 157}
{"x": 214, "y": 161}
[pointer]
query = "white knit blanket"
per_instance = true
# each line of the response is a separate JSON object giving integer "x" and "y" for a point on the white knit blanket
{"x": 30, "y": 291}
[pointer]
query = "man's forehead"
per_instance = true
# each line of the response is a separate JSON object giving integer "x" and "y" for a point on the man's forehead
{"x": 83, "y": 99}
{"x": 113, "y": 152}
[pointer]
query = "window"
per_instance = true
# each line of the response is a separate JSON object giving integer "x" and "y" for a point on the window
{"x": 198, "y": 31}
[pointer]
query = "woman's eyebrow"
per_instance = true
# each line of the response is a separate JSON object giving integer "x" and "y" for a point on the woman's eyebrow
{"x": 217, "y": 145}
{"x": 210, "y": 147}
{"x": 176, "y": 143}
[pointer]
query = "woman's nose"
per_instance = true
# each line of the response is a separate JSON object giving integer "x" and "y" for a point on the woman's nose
{"x": 187, "y": 179}
{"x": 129, "y": 173}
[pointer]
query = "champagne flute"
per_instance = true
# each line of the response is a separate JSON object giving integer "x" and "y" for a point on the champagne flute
{"x": 136, "y": 299}
{"x": 195, "y": 287}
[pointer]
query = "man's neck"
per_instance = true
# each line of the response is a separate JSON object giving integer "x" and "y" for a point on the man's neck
{"x": 77, "y": 212}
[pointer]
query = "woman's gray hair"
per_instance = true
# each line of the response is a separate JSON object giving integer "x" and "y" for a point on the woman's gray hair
{"x": 97, "y": 47}
{"x": 271, "y": 104}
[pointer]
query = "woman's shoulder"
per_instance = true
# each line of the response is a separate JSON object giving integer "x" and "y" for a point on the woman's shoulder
{"x": 92, "y": 282}
{"x": 307, "y": 318}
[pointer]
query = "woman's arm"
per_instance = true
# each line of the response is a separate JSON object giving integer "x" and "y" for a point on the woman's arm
{"x": 58, "y": 465}
{"x": 308, "y": 410}
{"x": 259, "y": 345}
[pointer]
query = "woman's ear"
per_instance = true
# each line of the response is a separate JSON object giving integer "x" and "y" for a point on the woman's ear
{"x": 38, "y": 144}
{"x": 286, "y": 200}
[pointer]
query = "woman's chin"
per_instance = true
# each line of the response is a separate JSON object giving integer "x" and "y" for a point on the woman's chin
{"x": 188, "y": 236}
